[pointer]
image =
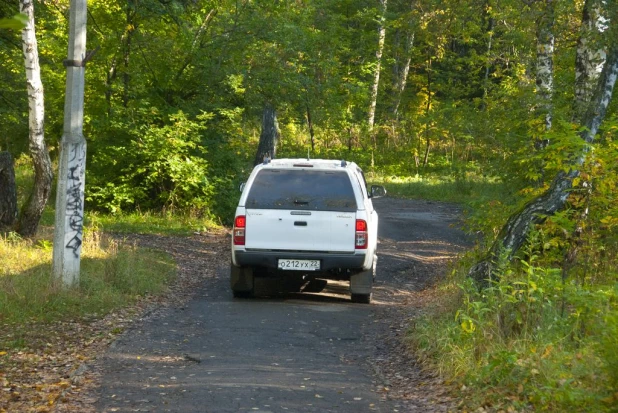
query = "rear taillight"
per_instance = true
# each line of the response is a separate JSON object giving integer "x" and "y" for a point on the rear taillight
{"x": 239, "y": 230}
{"x": 361, "y": 234}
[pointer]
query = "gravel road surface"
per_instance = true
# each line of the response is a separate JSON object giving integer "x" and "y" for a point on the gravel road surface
{"x": 209, "y": 352}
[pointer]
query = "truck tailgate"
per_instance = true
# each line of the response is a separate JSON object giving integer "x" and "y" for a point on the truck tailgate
{"x": 279, "y": 229}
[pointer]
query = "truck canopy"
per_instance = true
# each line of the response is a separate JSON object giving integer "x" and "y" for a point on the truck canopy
{"x": 301, "y": 210}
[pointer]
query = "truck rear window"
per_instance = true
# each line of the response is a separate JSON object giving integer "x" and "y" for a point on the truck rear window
{"x": 302, "y": 189}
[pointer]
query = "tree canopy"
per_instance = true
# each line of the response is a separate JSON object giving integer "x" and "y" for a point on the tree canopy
{"x": 176, "y": 90}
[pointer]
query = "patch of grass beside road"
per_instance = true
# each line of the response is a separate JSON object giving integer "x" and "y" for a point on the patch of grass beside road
{"x": 112, "y": 276}
{"x": 527, "y": 342}
{"x": 462, "y": 190}
{"x": 48, "y": 332}
{"x": 151, "y": 223}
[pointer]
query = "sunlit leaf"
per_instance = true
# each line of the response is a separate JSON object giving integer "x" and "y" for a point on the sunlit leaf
{"x": 16, "y": 22}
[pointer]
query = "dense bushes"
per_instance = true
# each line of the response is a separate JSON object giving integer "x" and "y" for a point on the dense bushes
{"x": 531, "y": 339}
{"x": 543, "y": 335}
{"x": 160, "y": 164}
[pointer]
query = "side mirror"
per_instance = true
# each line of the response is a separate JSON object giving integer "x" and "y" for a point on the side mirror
{"x": 377, "y": 191}
{"x": 241, "y": 186}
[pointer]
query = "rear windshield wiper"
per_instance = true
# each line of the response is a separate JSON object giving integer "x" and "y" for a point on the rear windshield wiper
{"x": 299, "y": 202}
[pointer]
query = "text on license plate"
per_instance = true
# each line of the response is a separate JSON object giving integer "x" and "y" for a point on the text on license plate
{"x": 299, "y": 265}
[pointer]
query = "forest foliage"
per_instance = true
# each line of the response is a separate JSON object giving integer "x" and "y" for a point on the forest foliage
{"x": 174, "y": 97}
{"x": 201, "y": 72}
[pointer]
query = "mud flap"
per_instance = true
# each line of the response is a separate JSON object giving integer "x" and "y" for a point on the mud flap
{"x": 361, "y": 283}
{"x": 241, "y": 279}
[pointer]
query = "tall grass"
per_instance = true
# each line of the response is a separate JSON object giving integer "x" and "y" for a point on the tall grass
{"x": 544, "y": 334}
{"x": 111, "y": 276}
{"x": 528, "y": 342}
{"x": 149, "y": 222}
{"x": 468, "y": 190}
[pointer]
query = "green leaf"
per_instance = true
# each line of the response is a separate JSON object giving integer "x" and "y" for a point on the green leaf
{"x": 16, "y": 22}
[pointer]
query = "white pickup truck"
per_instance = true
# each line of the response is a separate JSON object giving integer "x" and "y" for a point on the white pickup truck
{"x": 303, "y": 222}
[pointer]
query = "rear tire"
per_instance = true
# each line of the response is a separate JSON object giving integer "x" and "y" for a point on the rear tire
{"x": 361, "y": 298}
{"x": 361, "y": 285}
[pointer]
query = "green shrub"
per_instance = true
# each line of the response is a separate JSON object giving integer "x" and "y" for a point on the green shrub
{"x": 528, "y": 340}
{"x": 543, "y": 334}
{"x": 160, "y": 165}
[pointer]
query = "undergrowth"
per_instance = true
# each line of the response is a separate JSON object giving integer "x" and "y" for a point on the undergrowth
{"x": 467, "y": 189}
{"x": 543, "y": 335}
{"x": 152, "y": 223}
{"x": 529, "y": 341}
{"x": 166, "y": 222}
{"x": 111, "y": 276}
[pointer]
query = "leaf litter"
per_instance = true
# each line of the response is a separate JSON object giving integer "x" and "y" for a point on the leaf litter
{"x": 53, "y": 365}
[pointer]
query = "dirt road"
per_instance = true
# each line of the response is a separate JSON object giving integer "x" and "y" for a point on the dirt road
{"x": 210, "y": 352}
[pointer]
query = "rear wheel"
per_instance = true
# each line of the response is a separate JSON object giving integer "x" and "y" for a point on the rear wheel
{"x": 361, "y": 298}
{"x": 361, "y": 285}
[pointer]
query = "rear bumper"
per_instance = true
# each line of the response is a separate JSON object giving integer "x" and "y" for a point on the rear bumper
{"x": 269, "y": 259}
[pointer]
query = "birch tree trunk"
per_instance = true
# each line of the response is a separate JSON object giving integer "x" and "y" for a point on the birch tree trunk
{"x": 310, "y": 125}
{"x": 269, "y": 137}
{"x": 545, "y": 63}
{"x": 515, "y": 231}
{"x": 490, "y": 37}
{"x": 427, "y": 112}
{"x": 403, "y": 75}
{"x": 590, "y": 56}
{"x": 376, "y": 76}
{"x": 196, "y": 43}
{"x": 109, "y": 80}
{"x": 33, "y": 209}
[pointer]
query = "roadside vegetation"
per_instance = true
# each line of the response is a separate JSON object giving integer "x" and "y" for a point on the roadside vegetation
{"x": 114, "y": 274}
{"x": 542, "y": 334}
{"x": 48, "y": 331}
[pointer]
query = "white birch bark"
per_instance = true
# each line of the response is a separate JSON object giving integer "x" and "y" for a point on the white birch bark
{"x": 36, "y": 105}
{"x": 545, "y": 62}
{"x": 590, "y": 56}
{"x": 376, "y": 78}
{"x": 196, "y": 42}
{"x": 490, "y": 34}
{"x": 31, "y": 214}
{"x": 403, "y": 75}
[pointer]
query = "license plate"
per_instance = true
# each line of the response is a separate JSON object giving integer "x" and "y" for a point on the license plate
{"x": 299, "y": 265}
